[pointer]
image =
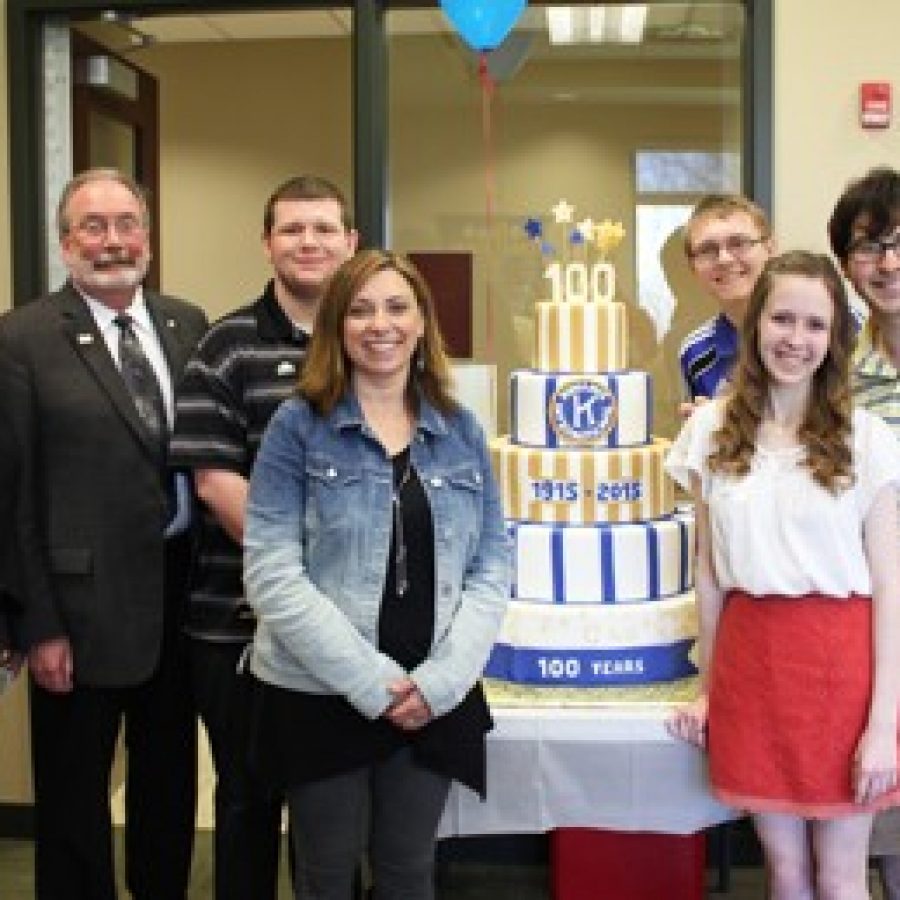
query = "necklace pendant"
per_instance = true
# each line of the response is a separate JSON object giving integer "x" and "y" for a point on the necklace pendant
{"x": 400, "y": 572}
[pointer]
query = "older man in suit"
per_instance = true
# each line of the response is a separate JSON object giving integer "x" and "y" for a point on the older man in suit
{"x": 105, "y": 554}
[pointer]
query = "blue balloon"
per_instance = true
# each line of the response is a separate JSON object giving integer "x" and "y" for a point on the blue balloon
{"x": 483, "y": 24}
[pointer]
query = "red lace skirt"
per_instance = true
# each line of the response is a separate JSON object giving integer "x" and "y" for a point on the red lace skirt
{"x": 789, "y": 692}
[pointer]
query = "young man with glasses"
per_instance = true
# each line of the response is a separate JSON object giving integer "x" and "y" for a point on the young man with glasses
{"x": 246, "y": 365}
{"x": 864, "y": 231}
{"x": 727, "y": 243}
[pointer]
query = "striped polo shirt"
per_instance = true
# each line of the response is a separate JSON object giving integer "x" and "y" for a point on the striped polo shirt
{"x": 247, "y": 363}
{"x": 707, "y": 356}
{"x": 876, "y": 385}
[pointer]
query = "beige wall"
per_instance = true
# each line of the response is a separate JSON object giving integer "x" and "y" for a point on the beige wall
{"x": 235, "y": 120}
{"x": 821, "y": 53}
{"x": 15, "y": 773}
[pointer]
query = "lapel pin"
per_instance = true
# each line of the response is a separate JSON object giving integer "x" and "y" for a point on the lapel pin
{"x": 171, "y": 323}
{"x": 286, "y": 368}
{"x": 85, "y": 338}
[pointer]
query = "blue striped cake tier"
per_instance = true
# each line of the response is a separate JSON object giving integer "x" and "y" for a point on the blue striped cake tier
{"x": 602, "y": 563}
{"x": 594, "y": 645}
{"x": 600, "y": 409}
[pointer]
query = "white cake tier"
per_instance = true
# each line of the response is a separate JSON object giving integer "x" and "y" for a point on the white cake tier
{"x": 580, "y": 337}
{"x": 604, "y": 409}
{"x": 583, "y": 487}
{"x": 593, "y": 645}
{"x": 603, "y": 563}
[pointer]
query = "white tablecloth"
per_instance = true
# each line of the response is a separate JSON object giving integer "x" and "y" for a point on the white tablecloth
{"x": 612, "y": 767}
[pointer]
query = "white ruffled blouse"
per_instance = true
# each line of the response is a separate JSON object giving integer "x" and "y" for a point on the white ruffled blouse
{"x": 776, "y": 530}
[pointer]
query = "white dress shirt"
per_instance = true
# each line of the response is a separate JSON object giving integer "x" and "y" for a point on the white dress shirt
{"x": 105, "y": 319}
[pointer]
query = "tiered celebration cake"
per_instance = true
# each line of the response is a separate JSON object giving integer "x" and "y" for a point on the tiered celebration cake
{"x": 603, "y": 562}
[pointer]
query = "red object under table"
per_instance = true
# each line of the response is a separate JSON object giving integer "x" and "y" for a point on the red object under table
{"x": 589, "y": 864}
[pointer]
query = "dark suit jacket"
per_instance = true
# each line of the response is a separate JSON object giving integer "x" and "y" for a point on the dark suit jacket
{"x": 92, "y": 547}
{"x": 13, "y": 480}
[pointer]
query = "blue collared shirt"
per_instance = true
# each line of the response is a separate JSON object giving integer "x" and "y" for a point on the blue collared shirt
{"x": 707, "y": 357}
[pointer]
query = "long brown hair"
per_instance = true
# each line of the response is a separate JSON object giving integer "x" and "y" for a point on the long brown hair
{"x": 826, "y": 427}
{"x": 326, "y": 372}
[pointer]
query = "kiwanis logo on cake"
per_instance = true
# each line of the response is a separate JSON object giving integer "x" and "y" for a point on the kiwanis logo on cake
{"x": 582, "y": 410}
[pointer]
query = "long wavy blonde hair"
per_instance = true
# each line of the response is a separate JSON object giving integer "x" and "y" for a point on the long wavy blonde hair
{"x": 826, "y": 427}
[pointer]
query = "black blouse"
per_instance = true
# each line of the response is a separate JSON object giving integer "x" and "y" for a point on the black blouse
{"x": 298, "y": 737}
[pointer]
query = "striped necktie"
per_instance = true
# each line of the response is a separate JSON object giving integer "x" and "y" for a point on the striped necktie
{"x": 139, "y": 378}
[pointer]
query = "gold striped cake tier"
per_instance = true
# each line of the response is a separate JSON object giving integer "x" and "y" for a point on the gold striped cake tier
{"x": 581, "y": 337}
{"x": 579, "y": 487}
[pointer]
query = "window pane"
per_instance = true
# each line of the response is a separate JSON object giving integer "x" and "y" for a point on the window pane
{"x": 656, "y": 227}
{"x": 565, "y": 122}
{"x": 684, "y": 172}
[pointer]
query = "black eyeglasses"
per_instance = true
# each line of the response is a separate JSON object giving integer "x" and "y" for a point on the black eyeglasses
{"x": 737, "y": 245}
{"x": 869, "y": 250}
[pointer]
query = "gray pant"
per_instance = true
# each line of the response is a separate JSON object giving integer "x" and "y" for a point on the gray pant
{"x": 392, "y": 807}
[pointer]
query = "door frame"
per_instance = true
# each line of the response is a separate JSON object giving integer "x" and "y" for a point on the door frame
{"x": 140, "y": 114}
{"x": 25, "y": 19}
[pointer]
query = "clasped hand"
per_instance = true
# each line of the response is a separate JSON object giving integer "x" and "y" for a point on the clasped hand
{"x": 50, "y": 663}
{"x": 688, "y": 722}
{"x": 409, "y": 709}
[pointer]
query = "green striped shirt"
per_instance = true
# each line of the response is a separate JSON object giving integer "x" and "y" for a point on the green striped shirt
{"x": 876, "y": 381}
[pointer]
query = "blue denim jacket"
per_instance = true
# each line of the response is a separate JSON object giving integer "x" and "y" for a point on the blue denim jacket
{"x": 316, "y": 545}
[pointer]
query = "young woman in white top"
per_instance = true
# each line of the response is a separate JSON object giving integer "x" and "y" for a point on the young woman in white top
{"x": 798, "y": 586}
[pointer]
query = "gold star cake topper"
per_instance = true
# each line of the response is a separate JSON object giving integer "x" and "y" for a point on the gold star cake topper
{"x": 579, "y": 270}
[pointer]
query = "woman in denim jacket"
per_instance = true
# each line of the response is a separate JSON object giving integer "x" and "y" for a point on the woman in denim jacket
{"x": 377, "y": 562}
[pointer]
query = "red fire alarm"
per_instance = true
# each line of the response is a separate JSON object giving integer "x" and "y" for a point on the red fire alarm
{"x": 875, "y": 104}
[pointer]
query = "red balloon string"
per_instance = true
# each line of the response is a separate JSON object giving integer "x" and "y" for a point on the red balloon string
{"x": 487, "y": 93}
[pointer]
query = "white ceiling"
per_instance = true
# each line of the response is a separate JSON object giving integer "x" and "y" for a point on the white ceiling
{"x": 673, "y": 29}
{"x": 706, "y": 35}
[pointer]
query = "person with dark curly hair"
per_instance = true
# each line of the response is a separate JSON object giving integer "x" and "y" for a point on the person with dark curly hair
{"x": 798, "y": 587}
{"x": 864, "y": 231}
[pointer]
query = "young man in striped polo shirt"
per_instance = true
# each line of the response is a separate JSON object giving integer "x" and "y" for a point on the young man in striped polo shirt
{"x": 727, "y": 243}
{"x": 246, "y": 365}
{"x": 864, "y": 231}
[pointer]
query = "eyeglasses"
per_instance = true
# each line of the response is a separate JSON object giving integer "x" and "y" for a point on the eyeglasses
{"x": 96, "y": 228}
{"x": 870, "y": 250}
{"x": 737, "y": 245}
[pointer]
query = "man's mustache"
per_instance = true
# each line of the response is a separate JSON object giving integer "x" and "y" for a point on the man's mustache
{"x": 110, "y": 260}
